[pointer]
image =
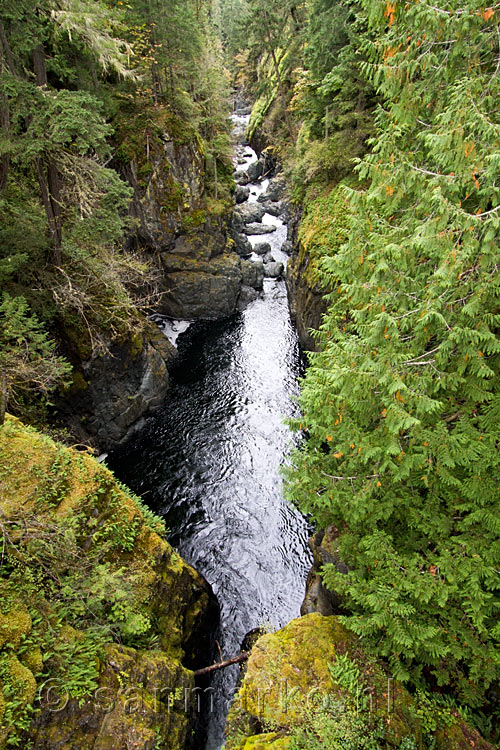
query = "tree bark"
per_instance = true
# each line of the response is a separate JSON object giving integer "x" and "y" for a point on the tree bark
{"x": 5, "y": 127}
{"x": 6, "y": 61}
{"x": 48, "y": 175}
{"x": 6, "y": 50}
{"x": 39, "y": 67}
{"x": 223, "y": 664}
{"x": 3, "y": 396}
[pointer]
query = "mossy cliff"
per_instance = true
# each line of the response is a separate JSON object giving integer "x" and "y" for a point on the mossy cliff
{"x": 173, "y": 216}
{"x": 101, "y": 621}
{"x": 317, "y": 233}
{"x": 311, "y": 685}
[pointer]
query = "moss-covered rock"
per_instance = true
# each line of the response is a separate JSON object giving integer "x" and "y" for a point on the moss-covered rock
{"x": 314, "y": 665}
{"x": 320, "y": 232}
{"x": 84, "y": 563}
{"x": 203, "y": 289}
{"x": 268, "y": 741}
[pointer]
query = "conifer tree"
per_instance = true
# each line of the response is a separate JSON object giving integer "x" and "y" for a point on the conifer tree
{"x": 402, "y": 405}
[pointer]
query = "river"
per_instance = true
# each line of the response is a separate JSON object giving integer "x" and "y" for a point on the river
{"x": 209, "y": 463}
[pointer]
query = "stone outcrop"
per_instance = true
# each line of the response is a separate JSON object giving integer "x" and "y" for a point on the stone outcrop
{"x": 315, "y": 671}
{"x": 56, "y": 501}
{"x": 273, "y": 269}
{"x": 167, "y": 175}
{"x": 203, "y": 289}
{"x": 256, "y": 228}
{"x": 111, "y": 395}
{"x": 305, "y": 294}
{"x": 318, "y": 598}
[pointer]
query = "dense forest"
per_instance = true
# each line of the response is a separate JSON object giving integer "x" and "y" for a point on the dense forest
{"x": 384, "y": 119}
{"x": 92, "y": 93}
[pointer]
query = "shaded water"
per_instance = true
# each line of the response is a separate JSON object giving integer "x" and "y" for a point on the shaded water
{"x": 209, "y": 463}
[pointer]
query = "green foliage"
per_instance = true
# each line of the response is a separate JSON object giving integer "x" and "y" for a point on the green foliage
{"x": 346, "y": 674}
{"x": 340, "y": 727}
{"x": 433, "y": 714}
{"x": 75, "y": 574}
{"x": 401, "y": 405}
{"x": 28, "y": 361}
{"x": 86, "y": 90}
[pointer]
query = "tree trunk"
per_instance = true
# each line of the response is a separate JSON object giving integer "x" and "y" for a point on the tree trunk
{"x": 5, "y": 127}
{"x": 223, "y": 664}
{"x": 6, "y": 62}
{"x": 3, "y": 396}
{"x": 281, "y": 87}
{"x": 48, "y": 175}
{"x": 6, "y": 50}
{"x": 39, "y": 67}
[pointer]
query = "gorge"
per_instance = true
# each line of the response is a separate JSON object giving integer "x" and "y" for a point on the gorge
{"x": 209, "y": 461}
{"x": 249, "y": 375}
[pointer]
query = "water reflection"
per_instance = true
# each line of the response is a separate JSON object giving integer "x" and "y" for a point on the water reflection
{"x": 209, "y": 463}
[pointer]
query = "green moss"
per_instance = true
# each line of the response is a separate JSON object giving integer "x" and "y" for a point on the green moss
{"x": 260, "y": 110}
{"x": 14, "y": 624}
{"x": 95, "y": 568}
{"x": 136, "y": 345}
{"x": 322, "y": 232}
{"x": 314, "y": 671}
{"x": 269, "y": 741}
{"x": 78, "y": 383}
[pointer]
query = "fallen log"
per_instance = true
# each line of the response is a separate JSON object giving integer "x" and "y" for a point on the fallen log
{"x": 222, "y": 664}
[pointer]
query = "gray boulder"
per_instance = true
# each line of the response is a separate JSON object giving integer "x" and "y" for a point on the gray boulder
{"x": 237, "y": 222}
{"x": 274, "y": 209}
{"x": 197, "y": 289}
{"x": 251, "y": 212}
{"x": 242, "y": 244}
{"x": 273, "y": 270}
{"x": 252, "y": 274}
{"x": 255, "y": 228}
{"x": 241, "y": 193}
{"x": 255, "y": 170}
{"x": 275, "y": 191}
{"x": 287, "y": 247}
{"x": 247, "y": 295}
{"x": 241, "y": 178}
{"x": 268, "y": 258}
{"x": 261, "y": 248}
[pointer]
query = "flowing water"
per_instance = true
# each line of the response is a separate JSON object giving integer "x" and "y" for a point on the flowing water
{"x": 209, "y": 463}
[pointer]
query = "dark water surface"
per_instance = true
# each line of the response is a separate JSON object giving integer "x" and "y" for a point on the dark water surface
{"x": 209, "y": 463}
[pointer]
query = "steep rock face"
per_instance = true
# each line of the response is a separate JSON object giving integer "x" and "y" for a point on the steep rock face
{"x": 112, "y": 394}
{"x": 316, "y": 233}
{"x": 175, "y": 181}
{"x": 204, "y": 288}
{"x": 163, "y": 160}
{"x": 312, "y": 675}
{"x": 317, "y": 598}
{"x": 184, "y": 233}
{"x": 62, "y": 513}
{"x": 305, "y": 295}
{"x": 306, "y": 301}
{"x": 187, "y": 232}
